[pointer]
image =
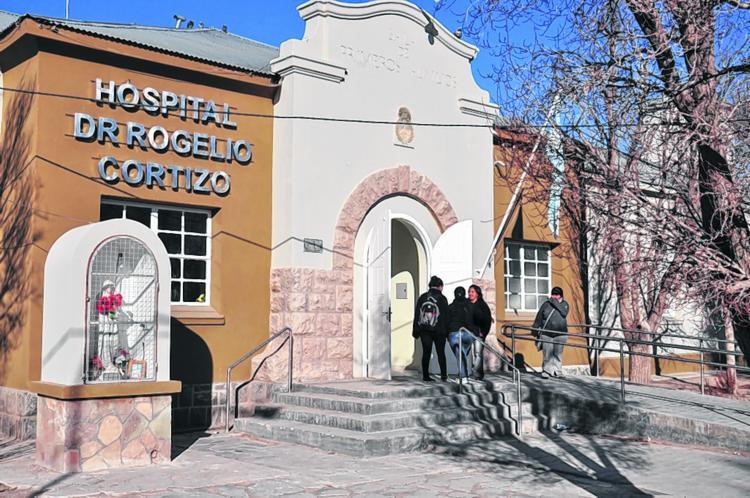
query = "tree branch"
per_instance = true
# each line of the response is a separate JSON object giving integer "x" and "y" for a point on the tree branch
{"x": 738, "y": 4}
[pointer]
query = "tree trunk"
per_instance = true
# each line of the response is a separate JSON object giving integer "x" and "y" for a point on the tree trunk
{"x": 729, "y": 336}
{"x": 640, "y": 366}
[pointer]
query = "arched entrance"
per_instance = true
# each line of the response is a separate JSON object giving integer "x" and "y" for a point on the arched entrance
{"x": 397, "y": 247}
{"x": 330, "y": 340}
{"x": 392, "y": 260}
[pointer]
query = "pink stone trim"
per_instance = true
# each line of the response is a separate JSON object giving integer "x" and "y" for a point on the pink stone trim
{"x": 318, "y": 304}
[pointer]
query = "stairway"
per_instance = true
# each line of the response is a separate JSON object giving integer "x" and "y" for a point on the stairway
{"x": 373, "y": 417}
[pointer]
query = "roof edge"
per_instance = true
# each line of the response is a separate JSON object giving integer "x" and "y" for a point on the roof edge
{"x": 376, "y": 8}
{"x": 67, "y": 26}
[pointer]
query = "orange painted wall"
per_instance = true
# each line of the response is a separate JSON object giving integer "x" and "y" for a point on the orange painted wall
{"x": 19, "y": 149}
{"x": 68, "y": 191}
{"x": 512, "y": 154}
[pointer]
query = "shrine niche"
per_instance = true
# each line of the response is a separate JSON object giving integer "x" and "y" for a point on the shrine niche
{"x": 104, "y": 398}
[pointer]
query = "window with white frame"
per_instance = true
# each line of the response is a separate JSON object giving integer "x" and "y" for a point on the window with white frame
{"x": 527, "y": 275}
{"x": 186, "y": 233}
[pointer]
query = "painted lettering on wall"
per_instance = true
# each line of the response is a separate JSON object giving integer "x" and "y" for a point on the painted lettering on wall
{"x": 396, "y": 61}
{"x": 159, "y": 139}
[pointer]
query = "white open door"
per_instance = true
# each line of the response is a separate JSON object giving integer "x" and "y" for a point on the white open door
{"x": 377, "y": 341}
{"x": 451, "y": 261}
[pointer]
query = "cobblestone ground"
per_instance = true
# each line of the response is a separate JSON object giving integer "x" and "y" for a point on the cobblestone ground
{"x": 542, "y": 465}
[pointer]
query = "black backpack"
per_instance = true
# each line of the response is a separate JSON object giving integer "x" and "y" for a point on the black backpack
{"x": 429, "y": 313}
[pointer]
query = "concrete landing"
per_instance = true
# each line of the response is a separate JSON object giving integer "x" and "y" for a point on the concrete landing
{"x": 592, "y": 405}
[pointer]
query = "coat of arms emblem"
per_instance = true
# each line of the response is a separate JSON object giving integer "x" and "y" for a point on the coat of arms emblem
{"x": 404, "y": 128}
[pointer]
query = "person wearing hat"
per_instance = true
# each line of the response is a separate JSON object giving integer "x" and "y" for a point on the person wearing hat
{"x": 431, "y": 318}
{"x": 550, "y": 328}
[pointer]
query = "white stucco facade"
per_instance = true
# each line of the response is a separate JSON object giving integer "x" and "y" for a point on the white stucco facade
{"x": 365, "y": 62}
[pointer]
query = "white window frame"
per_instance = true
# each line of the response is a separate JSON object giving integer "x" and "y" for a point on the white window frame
{"x": 154, "y": 226}
{"x": 507, "y": 275}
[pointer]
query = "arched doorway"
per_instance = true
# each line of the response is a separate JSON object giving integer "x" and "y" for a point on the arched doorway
{"x": 392, "y": 263}
{"x": 410, "y": 264}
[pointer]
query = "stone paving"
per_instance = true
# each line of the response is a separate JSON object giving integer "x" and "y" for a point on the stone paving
{"x": 548, "y": 464}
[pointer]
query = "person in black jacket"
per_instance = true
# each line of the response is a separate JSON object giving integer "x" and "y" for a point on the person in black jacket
{"x": 480, "y": 323}
{"x": 550, "y": 319}
{"x": 431, "y": 318}
{"x": 459, "y": 311}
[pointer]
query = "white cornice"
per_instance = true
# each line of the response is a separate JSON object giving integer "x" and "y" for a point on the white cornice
{"x": 295, "y": 64}
{"x": 352, "y": 11}
{"x": 478, "y": 109}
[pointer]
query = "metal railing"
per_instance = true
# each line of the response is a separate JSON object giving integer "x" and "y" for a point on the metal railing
{"x": 656, "y": 343}
{"x": 623, "y": 341}
{"x": 501, "y": 356}
{"x": 285, "y": 331}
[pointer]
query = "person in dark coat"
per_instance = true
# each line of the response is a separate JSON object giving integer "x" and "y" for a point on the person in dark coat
{"x": 459, "y": 311}
{"x": 431, "y": 318}
{"x": 550, "y": 320}
{"x": 480, "y": 323}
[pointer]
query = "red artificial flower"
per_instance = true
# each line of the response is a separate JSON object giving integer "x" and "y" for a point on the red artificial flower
{"x": 108, "y": 304}
{"x": 97, "y": 362}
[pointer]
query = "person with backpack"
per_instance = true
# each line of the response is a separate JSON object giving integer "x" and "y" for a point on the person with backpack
{"x": 431, "y": 318}
{"x": 459, "y": 311}
{"x": 480, "y": 323}
{"x": 551, "y": 319}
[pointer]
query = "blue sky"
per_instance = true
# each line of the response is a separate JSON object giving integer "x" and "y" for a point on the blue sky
{"x": 268, "y": 21}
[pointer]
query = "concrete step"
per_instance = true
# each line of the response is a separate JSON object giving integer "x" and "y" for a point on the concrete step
{"x": 404, "y": 389}
{"x": 376, "y": 443}
{"x": 372, "y": 406}
{"x": 391, "y": 421}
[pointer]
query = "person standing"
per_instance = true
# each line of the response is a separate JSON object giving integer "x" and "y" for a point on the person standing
{"x": 459, "y": 311}
{"x": 480, "y": 323}
{"x": 550, "y": 327}
{"x": 431, "y": 317}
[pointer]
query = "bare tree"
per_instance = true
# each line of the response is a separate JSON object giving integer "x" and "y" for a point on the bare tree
{"x": 653, "y": 100}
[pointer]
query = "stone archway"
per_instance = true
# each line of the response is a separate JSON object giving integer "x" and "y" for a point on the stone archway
{"x": 318, "y": 304}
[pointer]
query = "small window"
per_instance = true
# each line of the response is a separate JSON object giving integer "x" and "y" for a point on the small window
{"x": 527, "y": 276}
{"x": 186, "y": 234}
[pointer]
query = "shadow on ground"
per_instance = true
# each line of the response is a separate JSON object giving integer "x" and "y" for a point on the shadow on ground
{"x": 547, "y": 456}
{"x": 183, "y": 441}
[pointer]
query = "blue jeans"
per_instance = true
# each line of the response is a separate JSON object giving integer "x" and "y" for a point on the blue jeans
{"x": 467, "y": 339}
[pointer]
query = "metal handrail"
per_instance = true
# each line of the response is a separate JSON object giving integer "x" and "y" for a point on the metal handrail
{"x": 621, "y": 351}
{"x": 285, "y": 330}
{"x": 624, "y": 339}
{"x": 516, "y": 373}
{"x": 651, "y": 333}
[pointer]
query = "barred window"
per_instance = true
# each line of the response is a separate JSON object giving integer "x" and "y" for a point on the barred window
{"x": 527, "y": 275}
{"x": 186, "y": 233}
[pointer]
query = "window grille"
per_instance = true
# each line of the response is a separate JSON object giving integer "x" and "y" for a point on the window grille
{"x": 122, "y": 313}
{"x": 527, "y": 276}
{"x": 186, "y": 233}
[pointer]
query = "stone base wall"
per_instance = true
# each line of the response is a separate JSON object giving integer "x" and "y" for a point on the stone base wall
{"x": 93, "y": 434}
{"x": 317, "y": 305}
{"x": 17, "y": 414}
{"x": 203, "y": 406}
